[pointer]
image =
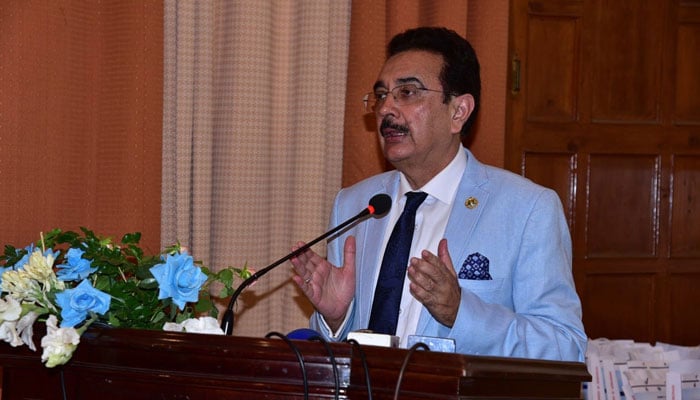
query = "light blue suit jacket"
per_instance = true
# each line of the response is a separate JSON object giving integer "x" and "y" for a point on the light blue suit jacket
{"x": 529, "y": 309}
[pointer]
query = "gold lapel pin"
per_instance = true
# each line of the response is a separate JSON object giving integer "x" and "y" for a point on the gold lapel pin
{"x": 471, "y": 202}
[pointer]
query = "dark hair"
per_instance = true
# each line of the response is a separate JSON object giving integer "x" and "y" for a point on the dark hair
{"x": 460, "y": 71}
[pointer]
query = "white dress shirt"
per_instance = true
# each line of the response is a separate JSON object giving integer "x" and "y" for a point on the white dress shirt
{"x": 431, "y": 220}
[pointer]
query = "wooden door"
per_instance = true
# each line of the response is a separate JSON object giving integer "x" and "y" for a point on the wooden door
{"x": 604, "y": 107}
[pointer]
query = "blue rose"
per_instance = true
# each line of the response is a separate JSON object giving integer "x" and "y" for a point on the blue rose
{"x": 77, "y": 302}
{"x": 179, "y": 279}
{"x": 75, "y": 268}
{"x": 25, "y": 258}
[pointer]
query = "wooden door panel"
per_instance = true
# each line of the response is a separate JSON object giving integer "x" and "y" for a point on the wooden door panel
{"x": 626, "y": 64}
{"x": 622, "y": 206}
{"x": 606, "y": 112}
{"x": 685, "y": 297}
{"x": 552, "y": 68}
{"x": 685, "y": 214}
{"x": 687, "y": 82}
{"x": 617, "y": 306}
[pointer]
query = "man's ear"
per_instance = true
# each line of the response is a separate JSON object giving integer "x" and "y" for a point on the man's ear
{"x": 462, "y": 108}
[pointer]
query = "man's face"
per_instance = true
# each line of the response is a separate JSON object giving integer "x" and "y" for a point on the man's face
{"x": 419, "y": 137}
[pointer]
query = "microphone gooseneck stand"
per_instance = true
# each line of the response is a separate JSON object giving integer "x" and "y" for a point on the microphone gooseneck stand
{"x": 378, "y": 204}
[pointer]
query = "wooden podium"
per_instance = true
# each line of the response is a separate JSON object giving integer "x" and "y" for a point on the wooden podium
{"x": 126, "y": 364}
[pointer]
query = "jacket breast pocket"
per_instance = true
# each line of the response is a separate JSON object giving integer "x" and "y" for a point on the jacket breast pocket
{"x": 490, "y": 291}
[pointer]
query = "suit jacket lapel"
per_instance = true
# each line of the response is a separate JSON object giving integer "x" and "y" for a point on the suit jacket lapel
{"x": 463, "y": 219}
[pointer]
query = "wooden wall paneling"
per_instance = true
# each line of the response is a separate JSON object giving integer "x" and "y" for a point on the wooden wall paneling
{"x": 626, "y": 65}
{"x": 619, "y": 305}
{"x": 622, "y": 206}
{"x": 552, "y": 68}
{"x": 685, "y": 210}
{"x": 612, "y": 88}
{"x": 683, "y": 306}
{"x": 687, "y": 82}
{"x": 683, "y": 247}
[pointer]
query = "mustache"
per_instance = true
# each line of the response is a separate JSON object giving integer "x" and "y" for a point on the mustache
{"x": 387, "y": 123}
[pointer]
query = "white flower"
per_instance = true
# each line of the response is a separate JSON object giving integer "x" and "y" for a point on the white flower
{"x": 20, "y": 286}
{"x": 195, "y": 325}
{"x": 25, "y": 329}
{"x": 203, "y": 325}
{"x": 172, "y": 327}
{"x": 15, "y": 330}
{"x": 10, "y": 309}
{"x": 58, "y": 344}
{"x": 33, "y": 282}
{"x": 8, "y": 333}
{"x": 39, "y": 267}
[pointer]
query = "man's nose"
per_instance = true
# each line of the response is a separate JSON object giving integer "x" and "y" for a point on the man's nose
{"x": 388, "y": 106}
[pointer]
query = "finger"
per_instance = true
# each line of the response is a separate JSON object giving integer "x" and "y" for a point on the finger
{"x": 304, "y": 263}
{"x": 301, "y": 257}
{"x": 444, "y": 255}
{"x": 299, "y": 281}
{"x": 419, "y": 273}
{"x": 307, "y": 286}
{"x": 429, "y": 273}
{"x": 349, "y": 252}
{"x": 430, "y": 258}
{"x": 300, "y": 265}
{"x": 430, "y": 270}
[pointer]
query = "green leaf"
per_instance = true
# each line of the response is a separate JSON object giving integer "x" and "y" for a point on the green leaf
{"x": 148, "y": 283}
{"x": 204, "y": 305}
{"x": 225, "y": 276}
{"x": 131, "y": 238}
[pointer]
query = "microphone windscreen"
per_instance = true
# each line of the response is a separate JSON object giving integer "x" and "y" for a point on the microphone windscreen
{"x": 381, "y": 203}
{"x": 303, "y": 334}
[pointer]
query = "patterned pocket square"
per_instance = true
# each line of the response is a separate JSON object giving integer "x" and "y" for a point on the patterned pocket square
{"x": 475, "y": 267}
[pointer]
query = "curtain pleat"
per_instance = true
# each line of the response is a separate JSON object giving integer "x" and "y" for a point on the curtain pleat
{"x": 253, "y": 119}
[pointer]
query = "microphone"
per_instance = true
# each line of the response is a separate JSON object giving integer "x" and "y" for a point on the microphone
{"x": 378, "y": 205}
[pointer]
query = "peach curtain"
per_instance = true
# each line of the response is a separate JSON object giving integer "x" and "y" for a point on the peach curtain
{"x": 80, "y": 118}
{"x": 252, "y": 147}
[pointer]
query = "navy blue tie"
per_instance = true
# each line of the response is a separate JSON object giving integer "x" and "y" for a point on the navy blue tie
{"x": 387, "y": 294}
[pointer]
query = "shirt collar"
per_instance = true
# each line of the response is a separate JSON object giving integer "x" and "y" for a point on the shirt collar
{"x": 443, "y": 186}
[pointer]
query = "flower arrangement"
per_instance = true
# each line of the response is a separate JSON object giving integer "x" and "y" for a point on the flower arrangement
{"x": 71, "y": 280}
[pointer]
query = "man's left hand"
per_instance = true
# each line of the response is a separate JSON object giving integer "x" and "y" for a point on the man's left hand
{"x": 434, "y": 283}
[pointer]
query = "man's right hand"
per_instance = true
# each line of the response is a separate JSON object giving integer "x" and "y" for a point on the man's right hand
{"x": 329, "y": 288}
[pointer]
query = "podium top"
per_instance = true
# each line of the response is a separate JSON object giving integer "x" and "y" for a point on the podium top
{"x": 141, "y": 364}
